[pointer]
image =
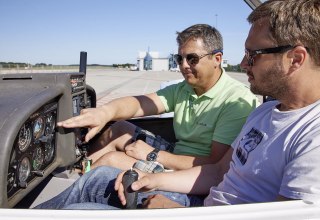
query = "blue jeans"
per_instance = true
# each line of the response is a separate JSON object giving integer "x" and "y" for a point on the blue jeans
{"x": 95, "y": 190}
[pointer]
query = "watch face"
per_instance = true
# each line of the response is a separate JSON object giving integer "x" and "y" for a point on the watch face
{"x": 152, "y": 156}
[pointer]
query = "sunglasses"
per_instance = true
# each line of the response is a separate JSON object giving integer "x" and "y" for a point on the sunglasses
{"x": 250, "y": 54}
{"x": 192, "y": 58}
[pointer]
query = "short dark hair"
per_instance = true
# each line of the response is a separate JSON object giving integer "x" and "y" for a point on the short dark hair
{"x": 211, "y": 37}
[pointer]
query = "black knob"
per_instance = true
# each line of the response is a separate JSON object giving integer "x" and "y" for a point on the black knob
{"x": 129, "y": 177}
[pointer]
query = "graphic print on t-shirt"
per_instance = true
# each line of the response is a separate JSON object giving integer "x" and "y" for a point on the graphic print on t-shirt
{"x": 247, "y": 144}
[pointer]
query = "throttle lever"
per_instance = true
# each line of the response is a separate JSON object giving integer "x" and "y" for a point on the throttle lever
{"x": 129, "y": 177}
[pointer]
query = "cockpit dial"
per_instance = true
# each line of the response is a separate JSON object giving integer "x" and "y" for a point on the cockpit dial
{"x": 24, "y": 138}
{"x": 24, "y": 170}
{"x": 50, "y": 124}
{"x": 48, "y": 151}
{"x": 37, "y": 158}
{"x": 38, "y": 127}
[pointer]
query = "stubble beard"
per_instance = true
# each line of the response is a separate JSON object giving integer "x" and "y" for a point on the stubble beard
{"x": 274, "y": 84}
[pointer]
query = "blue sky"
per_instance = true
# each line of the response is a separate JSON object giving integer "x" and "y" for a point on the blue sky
{"x": 112, "y": 31}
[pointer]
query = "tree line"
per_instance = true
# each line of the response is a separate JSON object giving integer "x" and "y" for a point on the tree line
{"x": 234, "y": 68}
{"x": 22, "y": 65}
{"x": 14, "y": 65}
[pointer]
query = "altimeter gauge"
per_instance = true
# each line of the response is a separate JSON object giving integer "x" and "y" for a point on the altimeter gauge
{"x": 24, "y": 138}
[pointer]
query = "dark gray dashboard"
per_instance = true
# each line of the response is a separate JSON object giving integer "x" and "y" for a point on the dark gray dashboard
{"x": 31, "y": 146}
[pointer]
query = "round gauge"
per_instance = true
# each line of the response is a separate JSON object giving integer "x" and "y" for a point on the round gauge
{"x": 38, "y": 127}
{"x": 24, "y": 138}
{"x": 48, "y": 152}
{"x": 11, "y": 179}
{"x": 24, "y": 169}
{"x": 50, "y": 124}
{"x": 37, "y": 158}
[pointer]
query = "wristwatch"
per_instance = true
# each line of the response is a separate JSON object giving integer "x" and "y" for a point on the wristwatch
{"x": 152, "y": 156}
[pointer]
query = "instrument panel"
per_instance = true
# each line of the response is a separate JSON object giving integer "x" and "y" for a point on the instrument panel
{"x": 34, "y": 148}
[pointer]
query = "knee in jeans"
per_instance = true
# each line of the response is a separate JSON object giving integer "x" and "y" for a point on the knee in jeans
{"x": 103, "y": 170}
{"x": 99, "y": 175}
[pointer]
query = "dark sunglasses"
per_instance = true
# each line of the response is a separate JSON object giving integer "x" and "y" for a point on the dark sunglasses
{"x": 192, "y": 58}
{"x": 250, "y": 54}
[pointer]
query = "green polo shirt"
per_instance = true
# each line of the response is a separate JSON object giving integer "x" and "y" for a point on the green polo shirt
{"x": 217, "y": 115}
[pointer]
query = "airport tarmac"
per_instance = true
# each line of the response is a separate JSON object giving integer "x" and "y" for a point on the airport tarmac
{"x": 111, "y": 83}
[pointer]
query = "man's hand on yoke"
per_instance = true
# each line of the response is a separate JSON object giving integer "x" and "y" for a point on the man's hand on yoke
{"x": 146, "y": 182}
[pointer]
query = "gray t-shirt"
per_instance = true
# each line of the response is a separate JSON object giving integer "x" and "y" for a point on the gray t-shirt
{"x": 276, "y": 153}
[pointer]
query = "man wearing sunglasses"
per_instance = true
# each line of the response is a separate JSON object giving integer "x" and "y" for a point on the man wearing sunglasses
{"x": 209, "y": 110}
{"x": 276, "y": 155}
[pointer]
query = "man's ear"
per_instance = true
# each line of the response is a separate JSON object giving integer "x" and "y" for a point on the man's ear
{"x": 218, "y": 57}
{"x": 297, "y": 57}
